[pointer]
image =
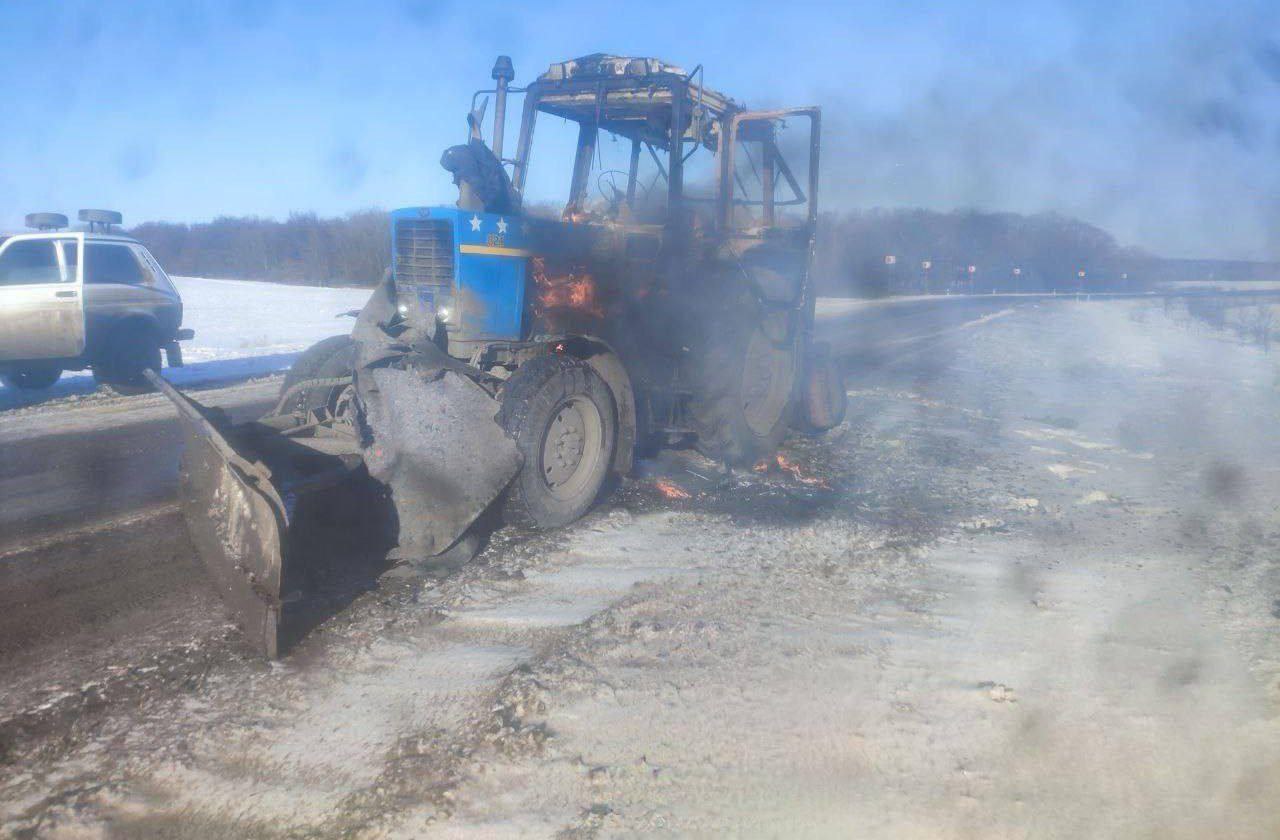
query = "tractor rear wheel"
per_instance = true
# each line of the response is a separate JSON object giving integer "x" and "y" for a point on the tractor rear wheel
{"x": 823, "y": 401}
{"x": 562, "y": 417}
{"x": 743, "y": 402}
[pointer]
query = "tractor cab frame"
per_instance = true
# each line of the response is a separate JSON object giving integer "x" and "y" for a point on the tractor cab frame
{"x": 717, "y": 241}
{"x": 669, "y": 115}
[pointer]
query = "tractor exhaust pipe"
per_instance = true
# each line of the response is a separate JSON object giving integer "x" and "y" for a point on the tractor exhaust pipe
{"x": 503, "y": 73}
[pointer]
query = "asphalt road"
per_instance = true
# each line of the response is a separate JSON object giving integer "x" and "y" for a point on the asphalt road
{"x": 57, "y": 476}
{"x": 95, "y": 558}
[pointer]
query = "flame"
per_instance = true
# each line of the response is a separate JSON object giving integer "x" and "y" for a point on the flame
{"x": 574, "y": 291}
{"x": 670, "y": 490}
{"x": 796, "y": 472}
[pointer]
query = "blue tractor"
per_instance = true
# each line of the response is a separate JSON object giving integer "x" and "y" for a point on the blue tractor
{"x": 520, "y": 351}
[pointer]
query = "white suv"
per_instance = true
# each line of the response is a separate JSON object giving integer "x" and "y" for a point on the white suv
{"x": 71, "y": 300}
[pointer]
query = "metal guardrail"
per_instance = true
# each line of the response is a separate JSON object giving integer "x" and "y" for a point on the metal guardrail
{"x": 1273, "y": 294}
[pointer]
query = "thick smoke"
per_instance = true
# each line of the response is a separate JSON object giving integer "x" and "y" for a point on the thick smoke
{"x": 1166, "y": 135}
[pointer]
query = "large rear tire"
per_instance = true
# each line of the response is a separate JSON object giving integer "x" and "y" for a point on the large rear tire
{"x": 563, "y": 419}
{"x": 33, "y": 378}
{"x": 742, "y": 404}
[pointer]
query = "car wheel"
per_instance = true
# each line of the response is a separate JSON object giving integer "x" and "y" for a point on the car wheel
{"x": 32, "y": 379}
{"x": 130, "y": 352}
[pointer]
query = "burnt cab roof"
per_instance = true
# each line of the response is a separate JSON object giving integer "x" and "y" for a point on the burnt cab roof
{"x": 625, "y": 93}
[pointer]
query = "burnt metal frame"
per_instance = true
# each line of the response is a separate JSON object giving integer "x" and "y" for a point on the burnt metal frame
{"x": 499, "y": 116}
{"x": 806, "y": 303}
{"x": 691, "y": 106}
{"x": 736, "y": 125}
{"x": 714, "y": 120}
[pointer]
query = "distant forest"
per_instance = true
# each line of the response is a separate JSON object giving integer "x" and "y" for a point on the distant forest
{"x": 865, "y": 253}
{"x": 351, "y": 250}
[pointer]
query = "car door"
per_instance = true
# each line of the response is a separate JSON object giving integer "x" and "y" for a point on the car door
{"x": 41, "y": 298}
{"x": 119, "y": 283}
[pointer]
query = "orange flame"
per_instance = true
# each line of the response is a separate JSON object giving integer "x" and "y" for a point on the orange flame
{"x": 670, "y": 490}
{"x": 798, "y": 474}
{"x": 795, "y": 471}
{"x": 572, "y": 291}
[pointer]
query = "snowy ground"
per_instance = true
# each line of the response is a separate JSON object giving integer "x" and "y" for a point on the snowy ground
{"x": 243, "y": 329}
{"x": 1029, "y": 590}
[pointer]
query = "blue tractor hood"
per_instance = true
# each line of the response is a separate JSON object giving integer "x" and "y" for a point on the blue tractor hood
{"x": 465, "y": 268}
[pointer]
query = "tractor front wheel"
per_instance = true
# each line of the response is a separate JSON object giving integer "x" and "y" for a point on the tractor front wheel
{"x": 562, "y": 417}
{"x": 330, "y": 358}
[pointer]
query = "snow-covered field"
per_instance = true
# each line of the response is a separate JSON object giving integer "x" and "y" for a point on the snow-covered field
{"x": 243, "y": 329}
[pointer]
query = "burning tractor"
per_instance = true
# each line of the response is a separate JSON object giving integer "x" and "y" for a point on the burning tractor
{"x": 516, "y": 358}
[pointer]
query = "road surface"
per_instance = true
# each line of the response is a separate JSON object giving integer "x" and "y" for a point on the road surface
{"x": 92, "y": 547}
{"x": 1028, "y": 589}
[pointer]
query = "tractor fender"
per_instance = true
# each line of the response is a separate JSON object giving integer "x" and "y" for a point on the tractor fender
{"x": 604, "y": 360}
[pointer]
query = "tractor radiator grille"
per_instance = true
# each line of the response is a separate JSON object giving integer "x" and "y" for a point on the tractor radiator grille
{"x": 424, "y": 254}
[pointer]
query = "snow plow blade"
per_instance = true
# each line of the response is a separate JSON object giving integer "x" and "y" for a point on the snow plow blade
{"x": 282, "y": 513}
{"x": 236, "y": 519}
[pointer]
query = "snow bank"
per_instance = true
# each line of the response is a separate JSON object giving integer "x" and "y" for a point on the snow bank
{"x": 245, "y": 328}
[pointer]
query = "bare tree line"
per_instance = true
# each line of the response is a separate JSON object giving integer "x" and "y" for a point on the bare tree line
{"x": 351, "y": 250}
{"x": 861, "y": 253}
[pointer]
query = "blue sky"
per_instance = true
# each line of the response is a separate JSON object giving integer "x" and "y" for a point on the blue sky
{"x": 1159, "y": 121}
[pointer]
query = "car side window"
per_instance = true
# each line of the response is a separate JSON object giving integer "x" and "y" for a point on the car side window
{"x": 29, "y": 262}
{"x": 110, "y": 263}
{"x": 70, "y": 253}
{"x": 150, "y": 269}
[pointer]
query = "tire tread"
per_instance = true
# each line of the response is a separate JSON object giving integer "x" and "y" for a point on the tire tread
{"x": 524, "y": 395}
